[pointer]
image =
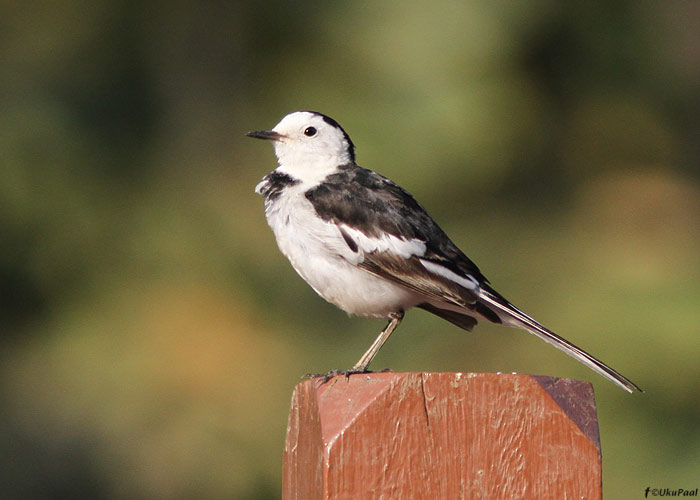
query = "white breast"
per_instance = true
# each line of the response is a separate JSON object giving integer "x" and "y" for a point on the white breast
{"x": 321, "y": 256}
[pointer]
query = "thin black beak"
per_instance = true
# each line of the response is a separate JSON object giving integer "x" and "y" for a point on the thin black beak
{"x": 268, "y": 135}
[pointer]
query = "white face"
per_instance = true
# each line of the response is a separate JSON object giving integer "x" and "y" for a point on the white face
{"x": 308, "y": 146}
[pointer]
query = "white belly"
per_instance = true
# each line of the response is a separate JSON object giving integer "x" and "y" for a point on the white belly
{"x": 320, "y": 255}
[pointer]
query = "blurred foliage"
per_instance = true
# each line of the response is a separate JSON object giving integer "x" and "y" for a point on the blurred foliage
{"x": 151, "y": 332}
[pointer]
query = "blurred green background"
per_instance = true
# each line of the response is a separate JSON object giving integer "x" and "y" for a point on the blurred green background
{"x": 151, "y": 333}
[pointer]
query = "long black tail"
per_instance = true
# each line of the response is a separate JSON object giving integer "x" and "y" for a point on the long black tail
{"x": 512, "y": 316}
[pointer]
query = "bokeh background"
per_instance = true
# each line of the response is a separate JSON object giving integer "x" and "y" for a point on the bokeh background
{"x": 150, "y": 331}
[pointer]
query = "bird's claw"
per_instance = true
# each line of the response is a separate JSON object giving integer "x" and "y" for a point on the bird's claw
{"x": 325, "y": 377}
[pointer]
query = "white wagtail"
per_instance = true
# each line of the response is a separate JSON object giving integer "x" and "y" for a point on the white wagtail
{"x": 366, "y": 245}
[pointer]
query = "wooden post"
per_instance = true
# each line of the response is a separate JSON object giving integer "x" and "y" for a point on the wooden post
{"x": 433, "y": 436}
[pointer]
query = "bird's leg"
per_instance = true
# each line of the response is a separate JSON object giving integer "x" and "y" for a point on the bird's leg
{"x": 367, "y": 357}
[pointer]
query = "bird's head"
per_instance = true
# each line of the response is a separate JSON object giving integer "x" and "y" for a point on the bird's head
{"x": 308, "y": 144}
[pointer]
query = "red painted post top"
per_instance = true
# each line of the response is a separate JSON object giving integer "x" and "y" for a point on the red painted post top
{"x": 433, "y": 436}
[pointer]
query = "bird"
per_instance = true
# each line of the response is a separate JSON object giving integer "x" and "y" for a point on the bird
{"x": 364, "y": 244}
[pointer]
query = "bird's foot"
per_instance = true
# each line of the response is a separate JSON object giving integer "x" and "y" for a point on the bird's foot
{"x": 325, "y": 377}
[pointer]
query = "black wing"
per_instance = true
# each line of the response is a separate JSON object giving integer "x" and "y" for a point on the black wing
{"x": 371, "y": 203}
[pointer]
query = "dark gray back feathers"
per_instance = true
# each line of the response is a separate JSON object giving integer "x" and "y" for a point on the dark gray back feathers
{"x": 373, "y": 204}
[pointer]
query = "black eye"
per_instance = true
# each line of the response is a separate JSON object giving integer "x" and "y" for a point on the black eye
{"x": 310, "y": 131}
